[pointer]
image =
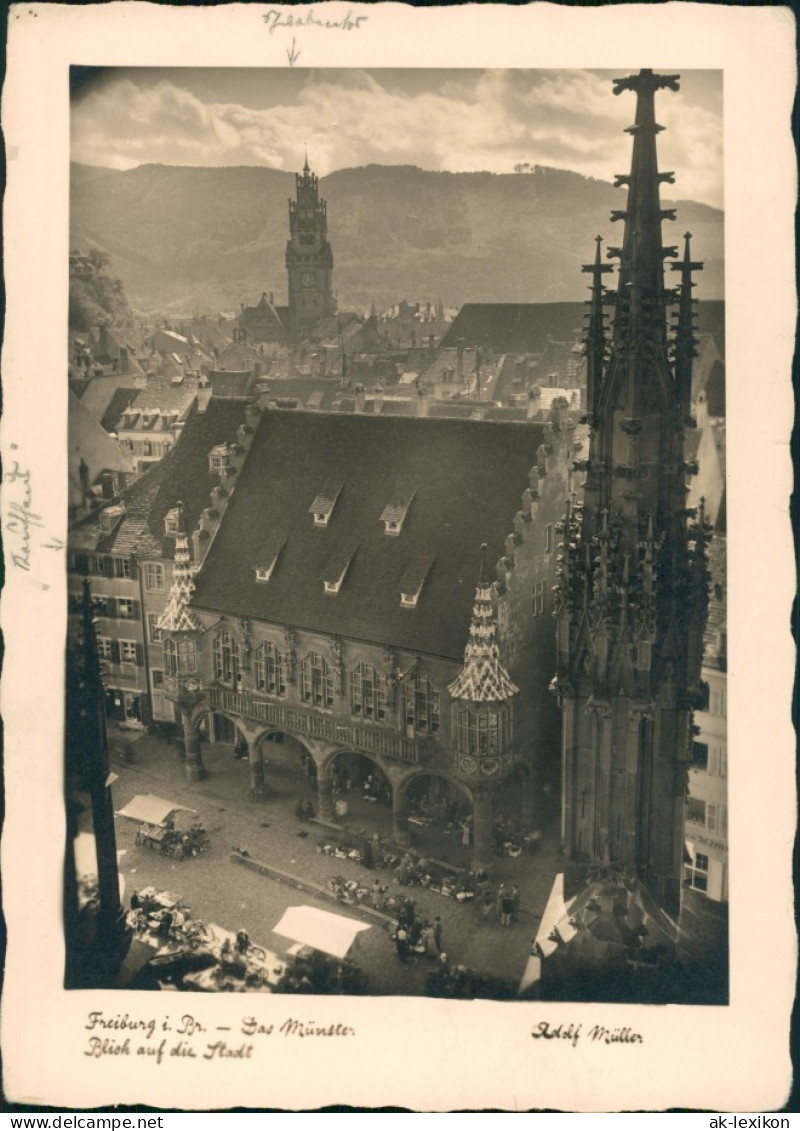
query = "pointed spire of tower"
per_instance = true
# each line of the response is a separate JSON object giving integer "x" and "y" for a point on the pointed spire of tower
{"x": 483, "y": 678}
{"x": 177, "y": 615}
{"x": 637, "y": 566}
{"x": 306, "y": 168}
{"x": 642, "y": 253}
{"x": 685, "y": 340}
{"x": 596, "y": 331}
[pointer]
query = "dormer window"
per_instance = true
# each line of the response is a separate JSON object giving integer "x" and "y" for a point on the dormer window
{"x": 336, "y": 568}
{"x": 268, "y": 558}
{"x": 325, "y": 501}
{"x": 110, "y": 517}
{"x": 413, "y": 580}
{"x": 171, "y": 521}
{"x": 395, "y": 511}
{"x": 219, "y": 458}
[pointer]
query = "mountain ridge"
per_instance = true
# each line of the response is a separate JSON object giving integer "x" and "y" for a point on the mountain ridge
{"x": 206, "y": 238}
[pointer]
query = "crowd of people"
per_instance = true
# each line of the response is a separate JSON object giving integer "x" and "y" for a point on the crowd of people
{"x": 415, "y": 935}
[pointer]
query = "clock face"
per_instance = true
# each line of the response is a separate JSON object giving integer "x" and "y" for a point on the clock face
{"x": 308, "y": 279}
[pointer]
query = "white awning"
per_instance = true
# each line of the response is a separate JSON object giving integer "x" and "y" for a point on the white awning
{"x": 322, "y": 930}
{"x": 151, "y": 810}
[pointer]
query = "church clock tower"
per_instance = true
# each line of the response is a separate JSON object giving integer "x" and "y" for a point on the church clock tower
{"x": 309, "y": 259}
{"x": 633, "y": 582}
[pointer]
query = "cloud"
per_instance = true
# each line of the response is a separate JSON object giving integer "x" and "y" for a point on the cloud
{"x": 488, "y": 120}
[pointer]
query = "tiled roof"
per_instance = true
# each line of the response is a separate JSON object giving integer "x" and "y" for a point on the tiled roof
{"x": 181, "y": 476}
{"x": 238, "y": 356}
{"x": 468, "y": 477}
{"x": 162, "y": 395}
{"x": 527, "y": 326}
{"x": 188, "y": 479}
{"x": 483, "y": 679}
{"x": 232, "y": 383}
{"x": 115, "y": 408}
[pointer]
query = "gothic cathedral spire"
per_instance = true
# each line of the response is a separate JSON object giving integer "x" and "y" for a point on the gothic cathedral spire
{"x": 632, "y": 588}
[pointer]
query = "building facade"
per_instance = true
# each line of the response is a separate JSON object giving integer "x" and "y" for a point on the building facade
{"x": 633, "y": 583}
{"x": 341, "y": 607}
{"x": 127, "y": 550}
{"x": 706, "y": 868}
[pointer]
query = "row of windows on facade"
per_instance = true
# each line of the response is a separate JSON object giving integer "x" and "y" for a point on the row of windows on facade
{"x": 151, "y": 448}
{"x": 120, "y": 651}
{"x": 477, "y": 732}
{"x": 711, "y": 815}
{"x": 106, "y": 565}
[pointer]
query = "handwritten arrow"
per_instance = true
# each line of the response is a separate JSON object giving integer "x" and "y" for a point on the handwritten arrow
{"x": 292, "y": 55}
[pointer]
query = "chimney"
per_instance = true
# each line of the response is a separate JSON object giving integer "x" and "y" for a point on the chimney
{"x": 124, "y": 360}
{"x": 272, "y": 298}
{"x": 378, "y": 399}
{"x": 252, "y": 415}
{"x": 423, "y": 400}
{"x": 534, "y": 396}
{"x": 361, "y": 398}
{"x": 460, "y": 359}
{"x": 431, "y": 344}
{"x": 257, "y": 369}
{"x": 203, "y": 394}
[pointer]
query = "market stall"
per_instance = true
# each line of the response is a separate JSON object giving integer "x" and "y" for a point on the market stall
{"x": 164, "y": 827}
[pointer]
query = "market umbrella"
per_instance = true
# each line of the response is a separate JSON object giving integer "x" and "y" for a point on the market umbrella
{"x": 151, "y": 810}
{"x": 322, "y": 930}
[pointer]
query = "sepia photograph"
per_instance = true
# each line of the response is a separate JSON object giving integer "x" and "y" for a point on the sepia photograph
{"x": 395, "y": 441}
{"x": 397, "y": 534}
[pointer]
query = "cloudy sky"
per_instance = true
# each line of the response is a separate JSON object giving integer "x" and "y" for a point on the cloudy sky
{"x": 457, "y": 120}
